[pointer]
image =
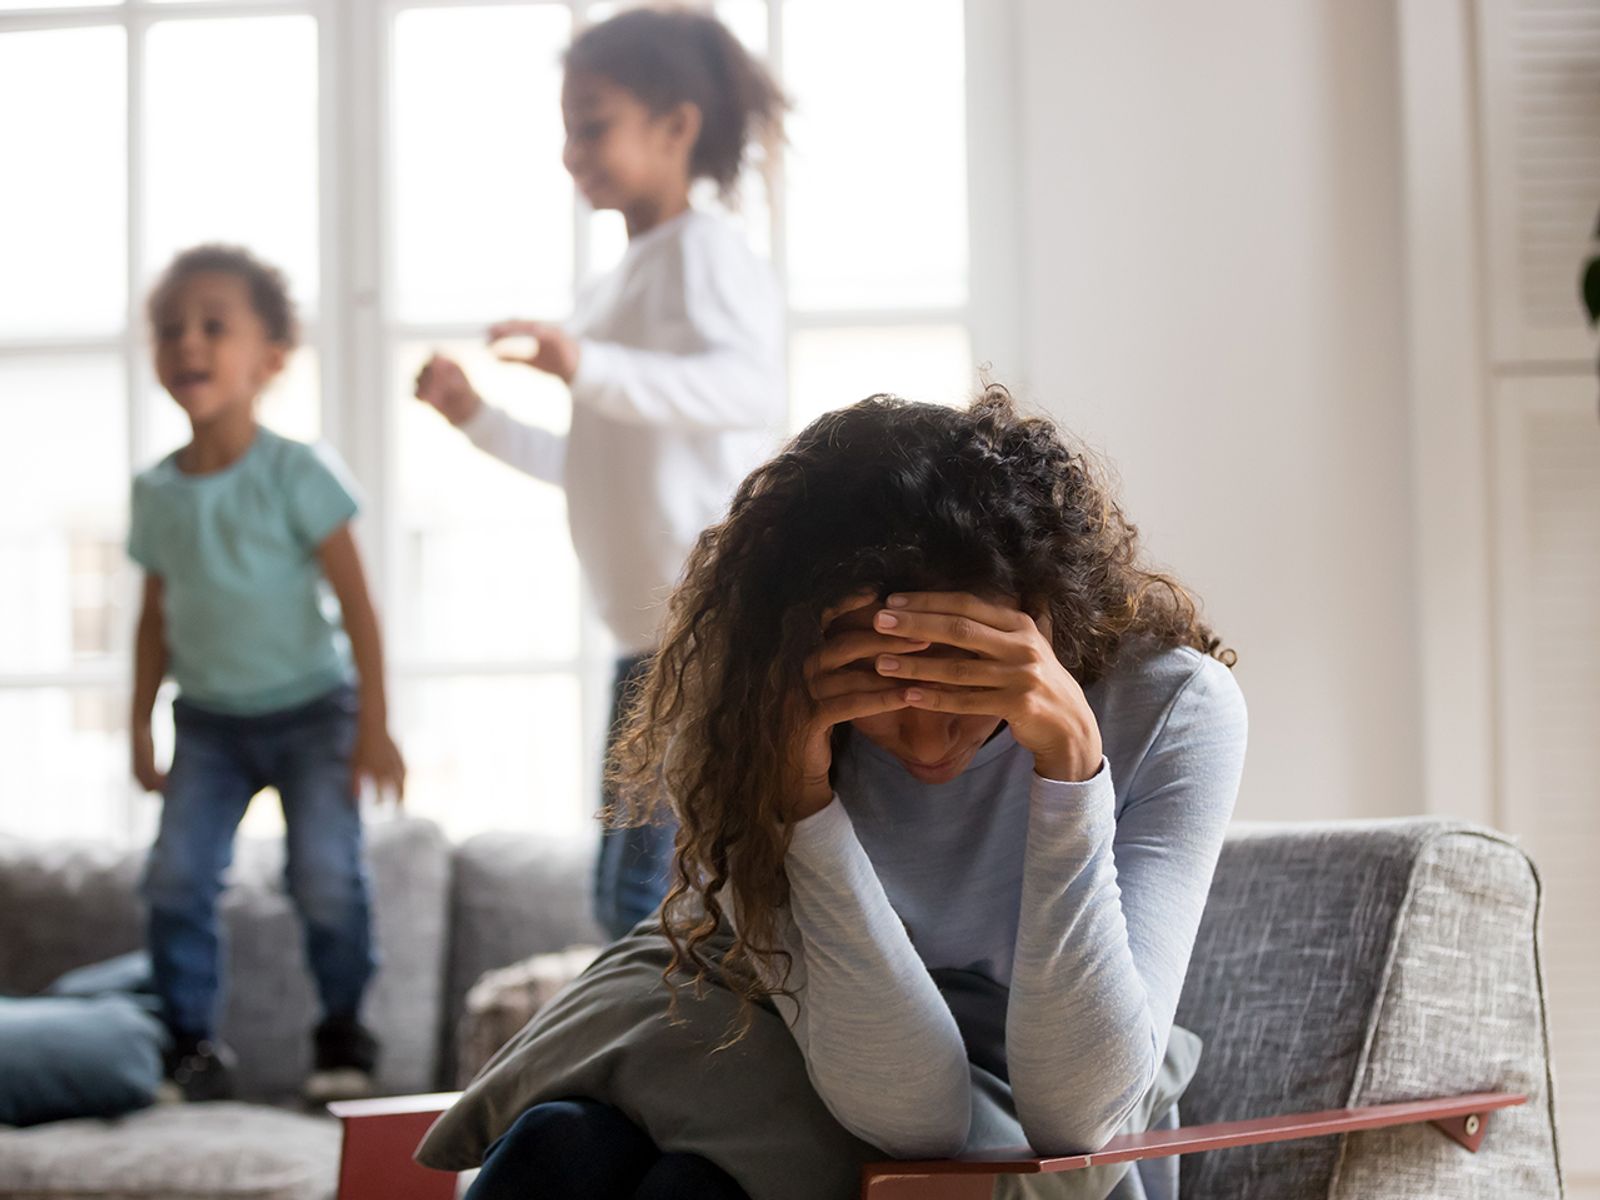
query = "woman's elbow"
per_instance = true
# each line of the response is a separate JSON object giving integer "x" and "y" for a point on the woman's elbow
{"x": 1067, "y": 1133}
{"x": 916, "y": 1122}
{"x": 1054, "y": 1124}
{"x": 923, "y": 1136}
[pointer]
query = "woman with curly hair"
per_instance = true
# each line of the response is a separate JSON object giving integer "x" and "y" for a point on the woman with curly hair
{"x": 952, "y": 769}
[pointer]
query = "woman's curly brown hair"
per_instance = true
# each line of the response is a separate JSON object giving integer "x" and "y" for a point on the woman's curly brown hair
{"x": 885, "y": 495}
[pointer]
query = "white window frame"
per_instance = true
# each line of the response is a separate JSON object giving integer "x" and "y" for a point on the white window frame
{"x": 354, "y": 330}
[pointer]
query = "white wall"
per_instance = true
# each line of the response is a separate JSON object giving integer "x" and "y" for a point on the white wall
{"x": 1214, "y": 296}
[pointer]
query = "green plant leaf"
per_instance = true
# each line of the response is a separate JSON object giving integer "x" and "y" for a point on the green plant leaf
{"x": 1591, "y": 290}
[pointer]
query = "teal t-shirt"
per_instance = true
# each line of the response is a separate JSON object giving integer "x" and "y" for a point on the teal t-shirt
{"x": 251, "y": 624}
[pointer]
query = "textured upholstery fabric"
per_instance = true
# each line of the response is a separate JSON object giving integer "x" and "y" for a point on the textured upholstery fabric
{"x": 64, "y": 906}
{"x": 1360, "y": 963}
{"x": 175, "y": 1152}
{"x": 513, "y": 896}
{"x": 1336, "y": 964}
{"x": 506, "y": 999}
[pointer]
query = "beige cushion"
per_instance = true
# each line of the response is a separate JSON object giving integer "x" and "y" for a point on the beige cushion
{"x": 175, "y": 1152}
{"x": 505, "y": 999}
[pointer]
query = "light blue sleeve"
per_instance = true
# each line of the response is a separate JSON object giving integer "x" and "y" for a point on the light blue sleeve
{"x": 143, "y": 537}
{"x": 1110, "y": 909}
{"x": 322, "y": 495}
{"x": 880, "y": 1044}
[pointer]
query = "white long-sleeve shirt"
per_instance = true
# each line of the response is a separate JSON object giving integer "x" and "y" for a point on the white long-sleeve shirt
{"x": 679, "y": 394}
{"x": 1082, "y": 898}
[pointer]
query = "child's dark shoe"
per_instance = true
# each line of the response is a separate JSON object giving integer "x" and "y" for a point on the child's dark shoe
{"x": 346, "y": 1056}
{"x": 198, "y": 1069}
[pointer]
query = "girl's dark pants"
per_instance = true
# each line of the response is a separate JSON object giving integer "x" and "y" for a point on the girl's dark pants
{"x": 635, "y": 864}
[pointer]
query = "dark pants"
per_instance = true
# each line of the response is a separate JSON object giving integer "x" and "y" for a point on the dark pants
{"x": 635, "y": 865}
{"x": 585, "y": 1150}
{"x": 219, "y": 763}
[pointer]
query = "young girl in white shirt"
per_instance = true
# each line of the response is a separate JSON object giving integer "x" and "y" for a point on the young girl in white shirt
{"x": 674, "y": 359}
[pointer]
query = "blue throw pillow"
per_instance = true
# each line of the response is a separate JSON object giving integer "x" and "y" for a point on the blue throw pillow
{"x": 76, "y": 1057}
{"x": 129, "y": 973}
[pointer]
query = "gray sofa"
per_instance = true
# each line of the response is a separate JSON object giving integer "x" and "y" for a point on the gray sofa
{"x": 1336, "y": 965}
{"x": 444, "y": 916}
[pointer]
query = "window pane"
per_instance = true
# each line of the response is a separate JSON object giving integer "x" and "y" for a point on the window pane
{"x": 64, "y": 462}
{"x": 292, "y": 406}
{"x": 63, "y": 215}
{"x": 747, "y": 19}
{"x": 483, "y": 206}
{"x": 877, "y": 212}
{"x": 486, "y": 568}
{"x": 12, "y": 4}
{"x": 495, "y": 753}
{"x": 66, "y": 756}
{"x": 243, "y": 171}
{"x": 831, "y": 368}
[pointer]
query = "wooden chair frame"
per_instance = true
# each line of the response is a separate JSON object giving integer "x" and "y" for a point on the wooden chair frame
{"x": 380, "y": 1135}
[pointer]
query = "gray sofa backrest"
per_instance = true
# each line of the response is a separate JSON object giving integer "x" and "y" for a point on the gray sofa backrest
{"x": 66, "y": 905}
{"x": 1336, "y": 965}
{"x": 1360, "y": 963}
{"x": 511, "y": 896}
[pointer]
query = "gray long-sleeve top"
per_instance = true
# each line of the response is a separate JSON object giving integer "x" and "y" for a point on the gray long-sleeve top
{"x": 1083, "y": 898}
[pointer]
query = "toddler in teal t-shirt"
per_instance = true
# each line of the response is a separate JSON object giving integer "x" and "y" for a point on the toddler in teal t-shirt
{"x": 256, "y": 604}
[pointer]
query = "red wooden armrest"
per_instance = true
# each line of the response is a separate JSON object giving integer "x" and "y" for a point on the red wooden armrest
{"x": 379, "y": 1138}
{"x": 1463, "y": 1118}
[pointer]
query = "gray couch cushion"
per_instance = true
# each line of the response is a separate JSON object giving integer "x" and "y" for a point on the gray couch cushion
{"x": 175, "y": 1152}
{"x": 1360, "y": 963}
{"x": 513, "y": 896}
{"x": 63, "y": 906}
{"x": 271, "y": 1004}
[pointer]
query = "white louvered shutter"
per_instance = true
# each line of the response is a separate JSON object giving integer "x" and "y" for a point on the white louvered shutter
{"x": 1540, "y": 62}
{"x": 1539, "y": 107}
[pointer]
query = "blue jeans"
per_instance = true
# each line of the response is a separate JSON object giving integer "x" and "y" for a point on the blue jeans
{"x": 635, "y": 866}
{"x": 219, "y": 763}
{"x": 585, "y": 1150}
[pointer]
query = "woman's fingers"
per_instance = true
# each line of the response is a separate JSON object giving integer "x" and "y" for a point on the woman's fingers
{"x": 996, "y": 614}
{"x": 856, "y": 645}
{"x": 854, "y": 705}
{"x": 829, "y": 684}
{"x": 957, "y": 619}
{"x": 851, "y": 603}
{"x": 949, "y": 629}
{"x": 957, "y": 672}
{"x": 988, "y": 702}
{"x": 996, "y": 629}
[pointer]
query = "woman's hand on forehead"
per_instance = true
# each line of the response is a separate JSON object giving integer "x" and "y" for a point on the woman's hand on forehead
{"x": 849, "y": 636}
{"x": 1009, "y": 670}
{"x": 986, "y": 628}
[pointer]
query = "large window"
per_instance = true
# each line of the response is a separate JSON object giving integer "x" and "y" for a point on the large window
{"x": 401, "y": 162}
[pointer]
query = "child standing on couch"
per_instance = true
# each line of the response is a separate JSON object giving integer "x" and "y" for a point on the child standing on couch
{"x": 674, "y": 360}
{"x": 242, "y": 534}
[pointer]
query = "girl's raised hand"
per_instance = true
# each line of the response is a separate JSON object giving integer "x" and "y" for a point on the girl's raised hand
{"x": 1012, "y": 673}
{"x": 555, "y": 351}
{"x": 443, "y": 384}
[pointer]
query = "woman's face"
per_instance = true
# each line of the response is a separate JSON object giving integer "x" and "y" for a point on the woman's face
{"x": 933, "y": 747}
